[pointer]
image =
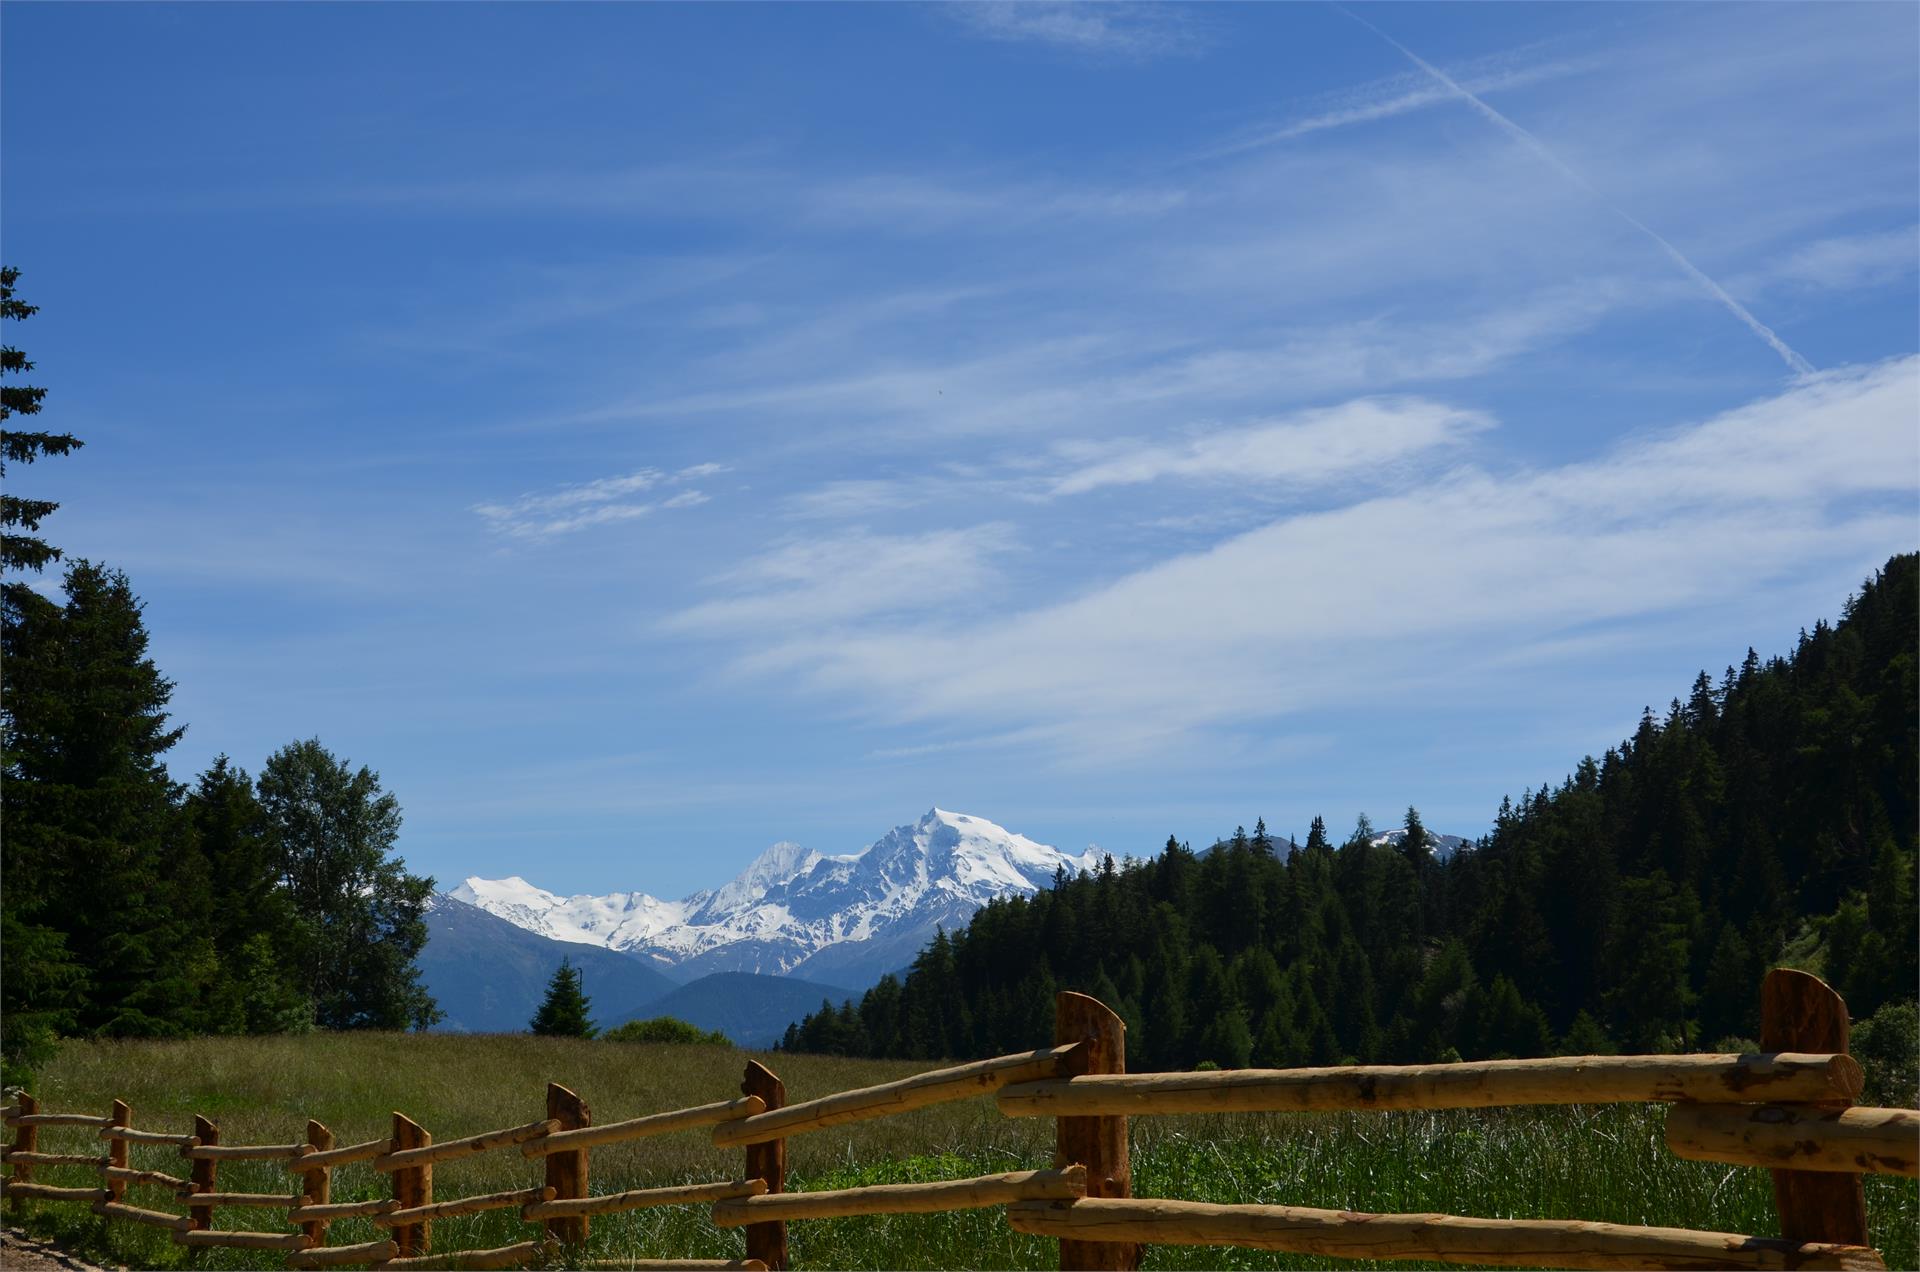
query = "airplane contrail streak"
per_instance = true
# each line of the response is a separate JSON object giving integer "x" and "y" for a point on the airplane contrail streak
{"x": 1798, "y": 364}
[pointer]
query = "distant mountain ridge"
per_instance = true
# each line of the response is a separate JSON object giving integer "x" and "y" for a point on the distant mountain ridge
{"x": 488, "y": 975}
{"x": 844, "y": 920}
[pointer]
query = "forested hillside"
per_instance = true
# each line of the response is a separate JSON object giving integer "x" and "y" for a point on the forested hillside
{"x": 1770, "y": 815}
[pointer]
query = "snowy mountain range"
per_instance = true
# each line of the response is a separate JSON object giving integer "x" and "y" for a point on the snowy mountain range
{"x": 845, "y": 920}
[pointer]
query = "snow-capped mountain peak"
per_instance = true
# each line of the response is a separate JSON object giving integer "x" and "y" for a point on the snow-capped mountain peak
{"x": 781, "y": 863}
{"x": 615, "y": 921}
{"x": 1442, "y": 846}
{"x": 838, "y": 918}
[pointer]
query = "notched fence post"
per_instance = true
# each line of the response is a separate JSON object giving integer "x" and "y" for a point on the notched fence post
{"x": 1098, "y": 1143}
{"x": 567, "y": 1172}
{"x": 1799, "y": 1012}
{"x": 317, "y": 1185}
{"x": 412, "y": 1186}
{"x": 767, "y": 1160}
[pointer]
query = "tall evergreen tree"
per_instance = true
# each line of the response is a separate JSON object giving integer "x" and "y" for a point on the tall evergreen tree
{"x": 90, "y": 813}
{"x": 247, "y": 916}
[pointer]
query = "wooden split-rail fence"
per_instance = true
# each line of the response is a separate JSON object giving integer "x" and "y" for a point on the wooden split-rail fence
{"x": 1789, "y": 1108}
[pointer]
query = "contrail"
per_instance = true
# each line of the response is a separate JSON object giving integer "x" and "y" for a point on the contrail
{"x": 1799, "y": 365}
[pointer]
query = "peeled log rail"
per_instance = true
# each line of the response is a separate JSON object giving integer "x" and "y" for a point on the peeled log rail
{"x": 265, "y": 1201}
{"x": 450, "y": 1150}
{"x": 938, "y": 1087}
{"x": 243, "y": 1240}
{"x": 340, "y": 1256}
{"x": 1556, "y": 1243}
{"x": 54, "y": 1159}
{"x": 640, "y": 1198}
{"x": 138, "y": 1214}
{"x": 58, "y": 1119}
{"x": 1723, "y": 1079}
{"x": 1796, "y": 1137}
{"x": 513, "y": 1256}
{"x": 247, "y": 1153}
{"x": 52, "y": 1192}
{"x": 327, "y": 1212}
{"x": 907, "y": 1199}
{"x": 347, "y": 1156}
{"x": 457, "y": 1206}
{"x": 130, "y": 1175}
{"x": 147, "y": 1137}
{"x": 641, "y": 1127}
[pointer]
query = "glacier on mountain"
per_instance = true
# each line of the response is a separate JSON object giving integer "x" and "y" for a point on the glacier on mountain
{"x": 843, "y": 919}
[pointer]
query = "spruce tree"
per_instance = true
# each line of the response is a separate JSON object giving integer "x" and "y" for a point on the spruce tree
{"x": 90, "y": 813}
{"x": 245, "y": 912}
{"x": 563, "y": 1014}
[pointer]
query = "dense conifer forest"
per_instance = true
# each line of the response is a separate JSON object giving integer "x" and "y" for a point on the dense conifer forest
{"x": 1768, "y": 817}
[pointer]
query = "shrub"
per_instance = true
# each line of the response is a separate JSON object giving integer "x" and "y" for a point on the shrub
{"x": 664, "y": 1029}
{"x": 1887, "y": 1045}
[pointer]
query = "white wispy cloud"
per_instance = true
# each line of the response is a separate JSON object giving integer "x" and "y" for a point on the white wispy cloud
{"x": 1852, "y": 260}
{"x": 1375, "y": 598}
{"x": 814, "y": 583}
{"x": 1313, "y": 447}
{"x": 1132, "y": 31}
{"x": 582, "y": 505}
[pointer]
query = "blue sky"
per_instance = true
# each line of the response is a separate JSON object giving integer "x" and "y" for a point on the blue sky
{"x": 644, "y": 433}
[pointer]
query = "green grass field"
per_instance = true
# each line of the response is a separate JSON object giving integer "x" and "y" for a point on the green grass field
{"x": 1604, "y": 1163}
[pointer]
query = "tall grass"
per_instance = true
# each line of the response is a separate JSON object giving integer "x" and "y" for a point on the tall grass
{"x": 1605, "y": 1163}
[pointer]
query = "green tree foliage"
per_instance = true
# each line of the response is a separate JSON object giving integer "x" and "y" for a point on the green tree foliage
{"x": 665, "y": 1029}
{"x": 93, "y": 840}
{"x": 1636, "y": 905}
{"x": 563, "y": 1013}
{"x": 358, "y": 913}
{"x": 20, "y": 517}
{"x": 245, "y": 916}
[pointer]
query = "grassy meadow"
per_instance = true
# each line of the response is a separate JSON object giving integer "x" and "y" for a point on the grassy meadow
{"x": 1603, "y": 1163}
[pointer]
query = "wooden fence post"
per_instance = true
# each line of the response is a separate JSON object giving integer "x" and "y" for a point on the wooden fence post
{"x": 1098, "y": 1143}
{"x": 317, "y": 1185}
{"x": 1800, "y": 1012}
{"x": 26, "y": 1139}
{"x": 412, "y": 1186}
{"x": 204, "y": 1176}
{"x": 567, "y": 1172}
{"x": 767, "y": 1160}
{"x": 117, "y": 1152}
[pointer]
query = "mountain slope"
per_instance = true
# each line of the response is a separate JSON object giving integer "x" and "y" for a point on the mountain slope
{"x": 489, "y": 975}
{"x": 850, "y": 917}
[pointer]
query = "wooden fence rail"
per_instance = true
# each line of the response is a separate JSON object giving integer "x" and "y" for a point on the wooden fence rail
{"x": 1789, "y": 1110}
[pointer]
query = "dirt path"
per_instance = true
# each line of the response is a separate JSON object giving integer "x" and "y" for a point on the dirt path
{"x": 22, "y": 1253}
